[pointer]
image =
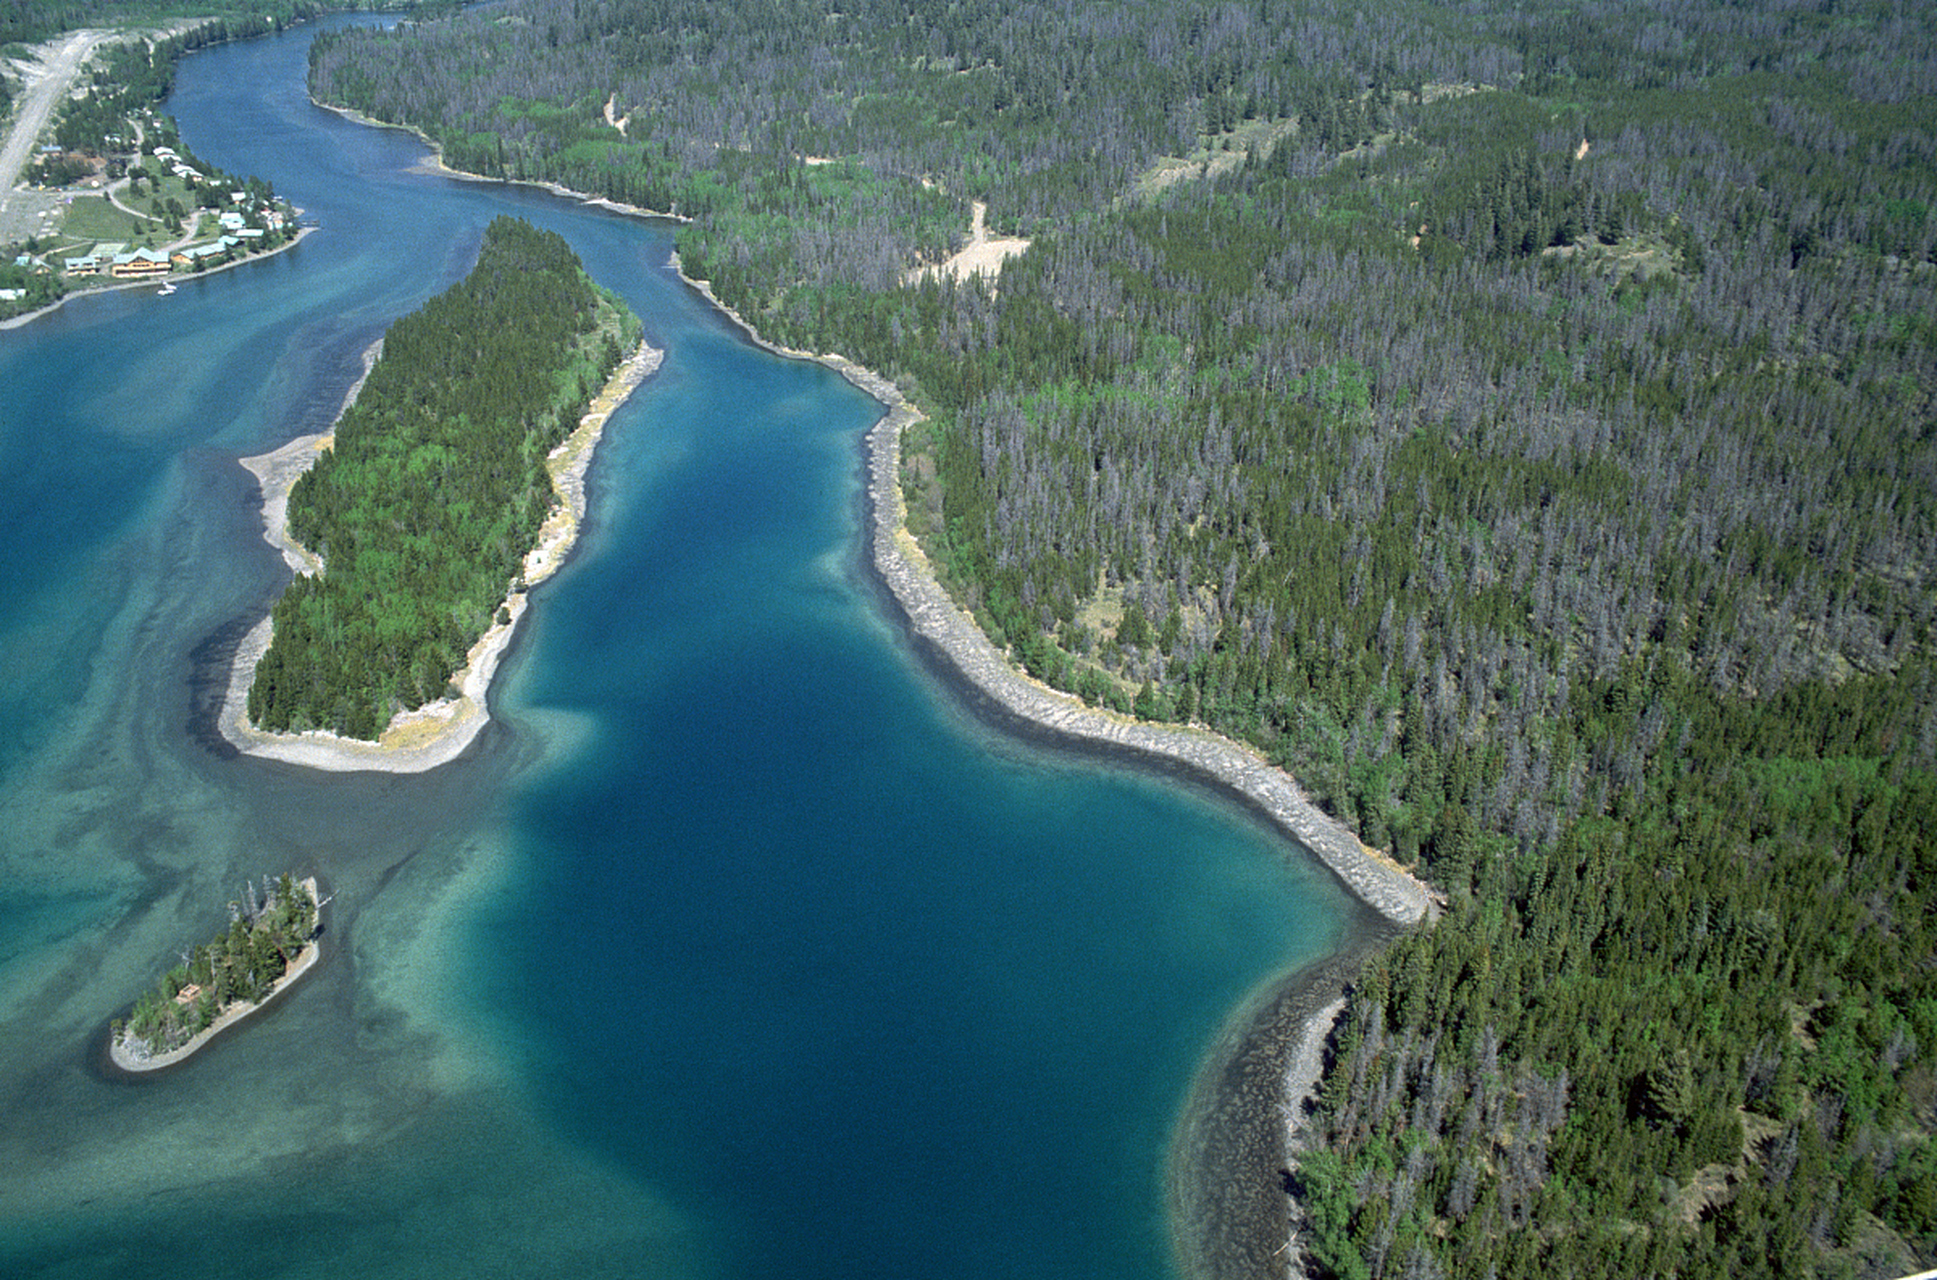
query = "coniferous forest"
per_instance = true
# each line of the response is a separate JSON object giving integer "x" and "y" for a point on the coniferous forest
{"x": 1516, "y": 420}
{"x": 435, "y": 487}
{"x": 239, "y": 966}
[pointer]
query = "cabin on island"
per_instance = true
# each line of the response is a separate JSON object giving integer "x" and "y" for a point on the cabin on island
{"x": 84, "y": 266}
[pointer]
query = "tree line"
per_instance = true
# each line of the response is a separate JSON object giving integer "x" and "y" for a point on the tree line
{"x": 1517, "y": 427}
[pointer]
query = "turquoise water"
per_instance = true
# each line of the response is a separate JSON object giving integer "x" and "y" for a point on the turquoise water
{"x": 736, "y": 947}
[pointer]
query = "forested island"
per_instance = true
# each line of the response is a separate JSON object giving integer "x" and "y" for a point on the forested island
{"x": 435, "y": 487}
{"x": 270, "y": 942}
{"x": 1514, "y": 420}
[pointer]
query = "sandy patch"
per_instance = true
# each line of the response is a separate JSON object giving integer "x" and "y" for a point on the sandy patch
{"x": 1217, "y": 156}
{"x": 982, "y": 256}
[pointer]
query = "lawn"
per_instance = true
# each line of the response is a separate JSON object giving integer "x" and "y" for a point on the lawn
{"x": 93, "y": 218}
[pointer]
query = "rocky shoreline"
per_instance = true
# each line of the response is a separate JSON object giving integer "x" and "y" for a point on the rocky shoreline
{"x": 1231, "y": 1214}
{"x": 1230, "y": 1208}
{"x": 1241, "y": 1129}
{"x": 1239, "y": 1133}
{"x": 932, "y": 614}
{"x": 1378, "y": 881}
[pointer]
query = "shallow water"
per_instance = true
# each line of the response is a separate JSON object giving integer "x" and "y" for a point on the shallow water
{"x": 735, "y": 946}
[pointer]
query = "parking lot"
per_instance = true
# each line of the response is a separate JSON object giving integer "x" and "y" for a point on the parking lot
{"x": 26, "y": 213}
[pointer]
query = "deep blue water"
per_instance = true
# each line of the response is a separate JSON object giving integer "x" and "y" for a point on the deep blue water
{"x": 737, "y": 947}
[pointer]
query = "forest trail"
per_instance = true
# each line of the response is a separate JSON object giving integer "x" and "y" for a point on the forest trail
{"x": 612, "y": 117}
{"x": 981, "y": 256}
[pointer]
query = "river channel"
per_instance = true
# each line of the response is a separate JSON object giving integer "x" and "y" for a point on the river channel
{"x": 738, "y": 945}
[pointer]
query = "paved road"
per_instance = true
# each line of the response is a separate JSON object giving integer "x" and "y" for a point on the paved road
{"x": 48, "y": 80}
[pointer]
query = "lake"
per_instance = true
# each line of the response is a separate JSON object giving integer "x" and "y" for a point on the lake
{"x": 737, "y": 946}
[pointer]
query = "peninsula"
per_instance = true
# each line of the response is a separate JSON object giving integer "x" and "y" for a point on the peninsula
{"x": 451, "y": 483}
{"x": 272, "y": 940}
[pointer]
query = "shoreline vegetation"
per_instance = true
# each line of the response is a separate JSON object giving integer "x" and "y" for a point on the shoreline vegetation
{"x": 421, "y": 738}
{"x": 224, "y": 981}
{"x": 933, "y": 615}
{"x": 1369, "y": 873}
{"x": 155, "y": 282}
{"x": 434, "y": 164}
{"x": 1244, "y": 1123}
{"x": 1260, "y": 1110}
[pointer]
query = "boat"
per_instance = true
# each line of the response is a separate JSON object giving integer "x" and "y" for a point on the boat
{"x": 167, "y": 287}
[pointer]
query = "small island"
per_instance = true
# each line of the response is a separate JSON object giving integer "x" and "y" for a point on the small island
{"x": 273, "y": 939}
{"x": 448, "y": 487}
